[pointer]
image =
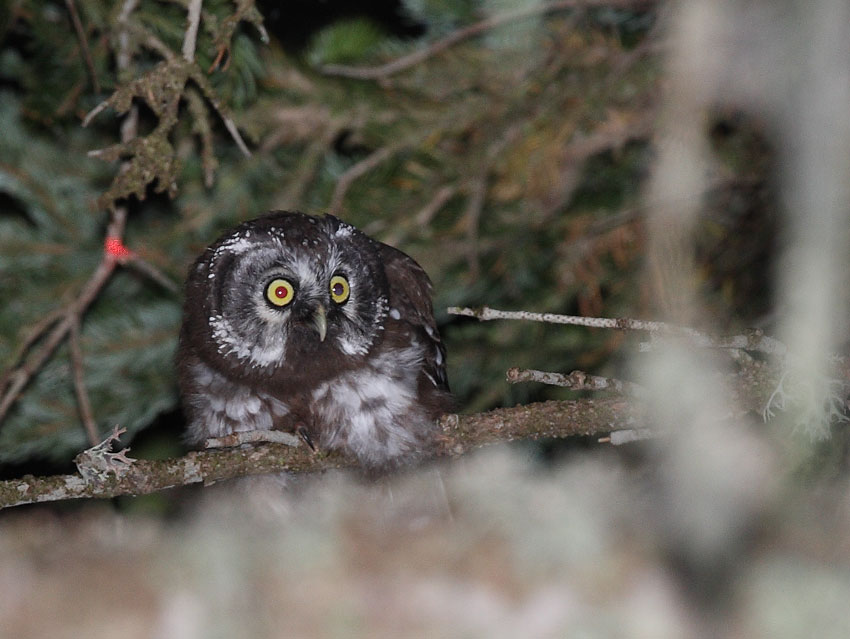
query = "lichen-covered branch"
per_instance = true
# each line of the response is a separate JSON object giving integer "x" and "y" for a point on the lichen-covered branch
{"x": 460, "y": 434}
{"x": 752, "y": 340}
{"x": 577, "y": 380}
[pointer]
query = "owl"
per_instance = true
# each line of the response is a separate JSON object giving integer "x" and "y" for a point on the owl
{"x": 305, "y": 324}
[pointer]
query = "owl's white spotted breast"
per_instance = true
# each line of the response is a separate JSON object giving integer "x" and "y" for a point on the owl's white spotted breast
{"x": 375, "y": 408}
{"x": 223, "y": 406}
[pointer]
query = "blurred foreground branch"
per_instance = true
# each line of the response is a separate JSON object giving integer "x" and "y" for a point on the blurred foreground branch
{"x": 460, "y": 434}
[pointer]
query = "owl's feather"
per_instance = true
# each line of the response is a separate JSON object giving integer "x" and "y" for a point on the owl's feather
{"x": 372, "y": 387}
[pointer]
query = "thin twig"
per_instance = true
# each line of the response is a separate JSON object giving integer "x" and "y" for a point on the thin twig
{"x": 472, "y": 219}
{"x": 753, "y": 340}
{"x": 308, "y": 165}
{"x": 230, "y": 125}
{"x": 423, "y": 218}
{"x": 194, "y": 19}
{"x": 35, "y": 333}
{"x": 84, "y": 45}
{"x": 124, "y": 54}
{"x": 79, "y": 383}
{"x": 577, "y": 380}
{"x": 91, "y": 115}
{"x": 355, "y": 172}
{"x": 427, "y": 213}
{"x": 405, "y": 62}
{"x": 152, "y": 272}
{"x": 478, "y": 196}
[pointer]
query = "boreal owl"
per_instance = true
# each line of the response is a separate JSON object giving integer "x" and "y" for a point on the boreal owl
{"x": 305, "y": 324}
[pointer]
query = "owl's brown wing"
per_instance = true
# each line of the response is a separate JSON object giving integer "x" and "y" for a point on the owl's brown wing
{"x": 410, "y": 297}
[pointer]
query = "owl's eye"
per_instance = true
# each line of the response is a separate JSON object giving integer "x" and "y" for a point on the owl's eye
{"x": 280, "y": 292}
{"x": 339, "y": 289}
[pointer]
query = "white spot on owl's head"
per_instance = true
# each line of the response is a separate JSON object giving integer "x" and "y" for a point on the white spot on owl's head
{"x": 344, "y": 230}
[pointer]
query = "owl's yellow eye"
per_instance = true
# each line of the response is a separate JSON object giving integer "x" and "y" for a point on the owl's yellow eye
{"x": 339, "y": 289}
{"x": 280, "y": 292}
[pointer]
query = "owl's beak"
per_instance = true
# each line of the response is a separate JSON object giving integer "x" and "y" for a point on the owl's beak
{"x": 320, "y": 322}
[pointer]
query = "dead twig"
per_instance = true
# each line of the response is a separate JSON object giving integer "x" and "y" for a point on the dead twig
{"x": 753, "y": 340}
{"x": 357, "y": 171}
{"x": 153, "y": 273}
{"x": 478, "y": 197}
{"x": 423, "y": 218}
{"x": 84, "y": 44}
{"x": 194, "y": 19}
{"x": 35, "y": 333}
{"x": 175, "y": 66}
{"x": 577, "y": 380}
{"x": 405, "y": 62}
{"x": 83, "y": 402}
{"x": 472, "y": 220}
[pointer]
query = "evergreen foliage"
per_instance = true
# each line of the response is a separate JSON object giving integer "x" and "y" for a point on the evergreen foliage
{"x": 507, "y": 164}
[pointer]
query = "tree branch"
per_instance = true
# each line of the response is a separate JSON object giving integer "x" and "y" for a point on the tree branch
{"x": 460, "y": 434}
{"x": 405, "y": 62}
{"x": 20, "y": 377}
{"x": 194, "y": 20}
{"x": 753, "y": 340}
{"x": 577, "y": 380}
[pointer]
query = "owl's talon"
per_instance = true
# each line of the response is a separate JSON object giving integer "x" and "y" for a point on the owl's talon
{"x": 301, "y": 431}
{"x": 251, "y": 437}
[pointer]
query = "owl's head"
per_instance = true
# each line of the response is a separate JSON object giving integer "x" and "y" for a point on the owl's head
{"x": 286, "y": 290}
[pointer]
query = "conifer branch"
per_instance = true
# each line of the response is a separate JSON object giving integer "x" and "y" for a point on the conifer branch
{"x": 405, "y": 62}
